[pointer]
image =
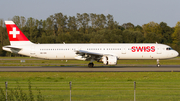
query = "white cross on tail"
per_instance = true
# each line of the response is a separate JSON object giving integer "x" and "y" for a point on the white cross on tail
{"x": 14, "y": 32}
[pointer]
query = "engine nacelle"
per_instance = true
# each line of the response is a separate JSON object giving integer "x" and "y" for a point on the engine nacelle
{"x": 109, "y": 60}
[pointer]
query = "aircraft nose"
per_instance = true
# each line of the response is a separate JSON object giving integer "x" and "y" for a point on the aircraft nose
{"x": 176, "y": 53}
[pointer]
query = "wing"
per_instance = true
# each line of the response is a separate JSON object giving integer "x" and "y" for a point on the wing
{"x": 88, "y": 55}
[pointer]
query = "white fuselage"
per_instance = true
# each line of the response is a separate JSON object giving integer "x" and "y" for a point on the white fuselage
{"x": 121, "y": 51}
{"x": 105, "y": 53}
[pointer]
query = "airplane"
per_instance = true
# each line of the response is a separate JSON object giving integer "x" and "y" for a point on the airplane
{"x": 106, "y": 53}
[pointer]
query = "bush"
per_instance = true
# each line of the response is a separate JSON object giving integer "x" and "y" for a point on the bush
{"x": 17, "y": 94}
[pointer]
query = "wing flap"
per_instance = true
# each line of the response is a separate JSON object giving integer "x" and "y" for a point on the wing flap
{"x": 88, "y": 55}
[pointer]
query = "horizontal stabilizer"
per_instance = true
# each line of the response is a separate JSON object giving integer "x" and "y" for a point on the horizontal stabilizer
{"x": 12, "y": 47}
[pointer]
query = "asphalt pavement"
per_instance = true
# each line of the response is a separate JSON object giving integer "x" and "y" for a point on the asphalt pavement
{"x": 150, "y": 68}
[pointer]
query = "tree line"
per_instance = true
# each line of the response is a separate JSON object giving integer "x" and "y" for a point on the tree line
{"x": 90, "y": 28}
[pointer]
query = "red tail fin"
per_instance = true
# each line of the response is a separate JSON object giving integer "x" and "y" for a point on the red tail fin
{"x": 15, "y": 34}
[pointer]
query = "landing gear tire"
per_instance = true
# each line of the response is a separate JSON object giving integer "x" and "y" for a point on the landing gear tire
{"x": 90, "y": 65}
{"x": 158, "y": 65}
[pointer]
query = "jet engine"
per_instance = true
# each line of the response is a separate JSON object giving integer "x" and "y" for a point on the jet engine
{"x": 109, "y": 60}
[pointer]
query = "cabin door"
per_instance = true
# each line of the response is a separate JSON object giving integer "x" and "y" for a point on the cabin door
{"x": 123, "y": 51}
{"x": 158, "y": 50}
{"x": 32, "y": 53}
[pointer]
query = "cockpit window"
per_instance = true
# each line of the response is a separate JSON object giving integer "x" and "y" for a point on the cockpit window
{"x": 169, "y": 48}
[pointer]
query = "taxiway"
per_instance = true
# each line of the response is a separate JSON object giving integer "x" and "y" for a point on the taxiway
{"x": 150, "y": 68}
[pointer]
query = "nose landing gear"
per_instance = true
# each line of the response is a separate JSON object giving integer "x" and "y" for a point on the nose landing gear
{"x": 158, "y": 64}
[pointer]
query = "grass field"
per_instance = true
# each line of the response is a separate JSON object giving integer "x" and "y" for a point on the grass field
{"x": 101, "y": 86}
{"x": 15, "y": 61}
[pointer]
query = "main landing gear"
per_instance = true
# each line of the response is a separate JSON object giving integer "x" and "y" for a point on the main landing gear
{"x": 91, "y": 64}
{"x": 158, "y": 64}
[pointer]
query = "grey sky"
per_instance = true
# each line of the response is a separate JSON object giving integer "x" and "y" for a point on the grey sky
{"x": 138, "y": 12}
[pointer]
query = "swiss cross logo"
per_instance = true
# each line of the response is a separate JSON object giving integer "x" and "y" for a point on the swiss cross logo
{"x": 14, "y": 32}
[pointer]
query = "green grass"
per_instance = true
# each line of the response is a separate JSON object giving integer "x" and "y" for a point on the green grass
{"x": 103, "y": 86}
{"x": 15, "y": 61}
